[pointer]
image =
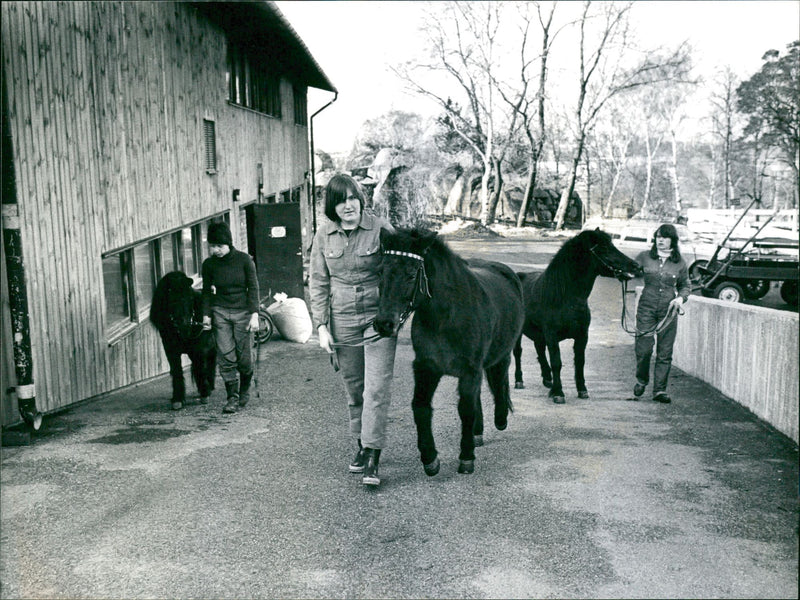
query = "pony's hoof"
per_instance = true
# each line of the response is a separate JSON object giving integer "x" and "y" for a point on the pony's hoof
{"x": 559, "y": 400}
{"x": 584, "y": 394}
{"x": 518, "y": 385}
{"x": 432, "y": 469}
{"x": 466, "y": 466}
{"x": 177, "y": 405}
{"x": 203, "y": 399}
{"x": 548, "y": 383}
{"x": 501, "y": 425}
{"x": 478, "y": 440}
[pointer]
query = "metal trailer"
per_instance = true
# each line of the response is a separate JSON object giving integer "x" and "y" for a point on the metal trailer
{"x": 746, "y": 271}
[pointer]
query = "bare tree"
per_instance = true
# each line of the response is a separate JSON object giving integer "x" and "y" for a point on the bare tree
{"x": 466, "y": 40}
{"x": 602, "y": 76}
{"x": 723, "y": 121}
{"x": 531, "y": 109}
{"x": 614, "y": 136}
{"x": 461, "y": 39}
{"x": 674, "y": 107}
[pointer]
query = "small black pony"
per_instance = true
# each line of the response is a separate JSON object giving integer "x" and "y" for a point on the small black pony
{"x": 176, "y": 313}
{"x": 468, "y": 315}
{"x": 556, "y": 306}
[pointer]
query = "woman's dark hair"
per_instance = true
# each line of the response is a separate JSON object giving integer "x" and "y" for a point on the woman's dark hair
{"x": 667, "y": 231}
{"x": 336, "y": 192}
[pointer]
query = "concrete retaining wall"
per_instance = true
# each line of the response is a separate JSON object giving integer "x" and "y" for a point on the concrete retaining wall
{"x": 747, "y": 352}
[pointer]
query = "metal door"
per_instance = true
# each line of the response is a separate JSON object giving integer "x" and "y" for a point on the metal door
{"x": 278, "y": 249}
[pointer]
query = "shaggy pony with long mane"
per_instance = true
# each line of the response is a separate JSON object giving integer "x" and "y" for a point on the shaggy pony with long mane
{"x": 176, "y": 312}
{"x": 557, "y": 307}
{"x": 467, "y": 317}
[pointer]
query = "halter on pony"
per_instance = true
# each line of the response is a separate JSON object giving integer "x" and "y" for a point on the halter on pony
{"x": 420, "y": 282}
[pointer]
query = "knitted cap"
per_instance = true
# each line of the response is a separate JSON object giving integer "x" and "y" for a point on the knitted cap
{"x": 219, "y": 234}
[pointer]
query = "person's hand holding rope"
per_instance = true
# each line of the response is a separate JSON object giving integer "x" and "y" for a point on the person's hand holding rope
{"x": 676, "y": 305}
{"x": 325, "y": 339}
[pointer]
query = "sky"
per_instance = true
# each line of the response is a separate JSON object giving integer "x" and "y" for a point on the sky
{"x": 355, "y": 41}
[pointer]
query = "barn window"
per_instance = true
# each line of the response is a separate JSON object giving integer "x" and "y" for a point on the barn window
{"x": 251, "y": 83}
{"x": 118, "y": 290}
{"x": 300, "y": 105}
{"x": 166, "y": 253}
{"x": 145, "y": 275}
{"x": 131, "y": 274}
{"x": 187, "y": 243}
{"x": 210, "y": 136}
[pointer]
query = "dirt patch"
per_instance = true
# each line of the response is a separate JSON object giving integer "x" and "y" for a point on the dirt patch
{"x": 139, "y": 435}
{"x": 468, "y": 231}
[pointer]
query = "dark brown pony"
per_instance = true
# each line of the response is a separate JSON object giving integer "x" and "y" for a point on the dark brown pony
{"x": 467, "y": 317}
{"x": 557, "y": 308}
{"x": 176, "y": 313}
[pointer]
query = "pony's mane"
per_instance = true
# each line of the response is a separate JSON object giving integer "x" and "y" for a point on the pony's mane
{"x": 445, "y": 263}
{"x": 421, "y": 241}
{"x": 571, "y": 259}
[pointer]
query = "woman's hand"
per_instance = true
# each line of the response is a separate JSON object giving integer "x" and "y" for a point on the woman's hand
{"x": 253, "y": 325}
{"x": 676, "y": 302}
{"x": 325, "y": 339}
{"x": 206, "y": 323}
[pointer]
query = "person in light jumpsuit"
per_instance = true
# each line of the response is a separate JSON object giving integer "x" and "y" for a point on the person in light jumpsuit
{"x": 666, "y": 288}
{"x": 346, "y": 263}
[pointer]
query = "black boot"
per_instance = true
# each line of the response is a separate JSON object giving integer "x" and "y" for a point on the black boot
{"x": 232, "y": 387}
{"x": 244, "y": 388}
{"x": 371, "y": 468}
{"x": 360, "y": 460}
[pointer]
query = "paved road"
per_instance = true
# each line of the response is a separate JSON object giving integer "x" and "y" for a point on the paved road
{"x": 597, "y": 498}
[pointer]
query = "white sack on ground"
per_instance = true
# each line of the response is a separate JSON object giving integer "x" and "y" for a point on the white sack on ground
{"x": 291, "y": 318}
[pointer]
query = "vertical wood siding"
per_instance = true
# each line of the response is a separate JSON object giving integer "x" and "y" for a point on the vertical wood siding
{"x": 106, "y": 108}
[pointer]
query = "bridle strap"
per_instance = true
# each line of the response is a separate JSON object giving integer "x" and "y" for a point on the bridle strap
{"x": 406, "y": 254}
{"x": 420, "y": 282}
{"x": 617, "y": 272}
{"x": 192, "y": 325}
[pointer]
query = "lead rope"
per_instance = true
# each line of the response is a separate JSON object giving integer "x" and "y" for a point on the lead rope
{"x": 255, "y": 342}
{"x": 672, "y": 312}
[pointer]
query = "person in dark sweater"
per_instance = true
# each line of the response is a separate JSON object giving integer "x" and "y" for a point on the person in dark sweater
{"x": 230, "y": 295}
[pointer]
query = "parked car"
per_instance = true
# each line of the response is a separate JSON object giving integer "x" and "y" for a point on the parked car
{"x": 633, "y": 236}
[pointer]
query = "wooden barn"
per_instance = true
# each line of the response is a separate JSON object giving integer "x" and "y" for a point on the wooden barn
{"x": 127, "y": 128}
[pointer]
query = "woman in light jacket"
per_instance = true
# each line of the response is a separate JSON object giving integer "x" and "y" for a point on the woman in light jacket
{"x": 345, "y": 274}
{"x": 666, "y": 288}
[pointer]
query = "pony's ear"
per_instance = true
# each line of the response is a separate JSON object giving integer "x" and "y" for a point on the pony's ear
{"x": 385, "y": 233}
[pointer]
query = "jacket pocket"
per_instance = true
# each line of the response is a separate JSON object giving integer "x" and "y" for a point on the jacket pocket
{"x": 368, "y": 249}
{"x": 334, "y": 248}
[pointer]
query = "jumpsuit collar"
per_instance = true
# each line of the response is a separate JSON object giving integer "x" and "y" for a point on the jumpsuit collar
{"x": 367, "y": 222}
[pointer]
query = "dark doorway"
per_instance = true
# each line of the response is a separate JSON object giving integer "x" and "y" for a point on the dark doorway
{"x": 277, "y": 240}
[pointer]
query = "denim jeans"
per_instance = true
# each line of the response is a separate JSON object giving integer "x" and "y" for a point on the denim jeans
{"x": 663, "y": 341}
{"x": 234, "y": 342}
{"x": 367, "y": 373}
